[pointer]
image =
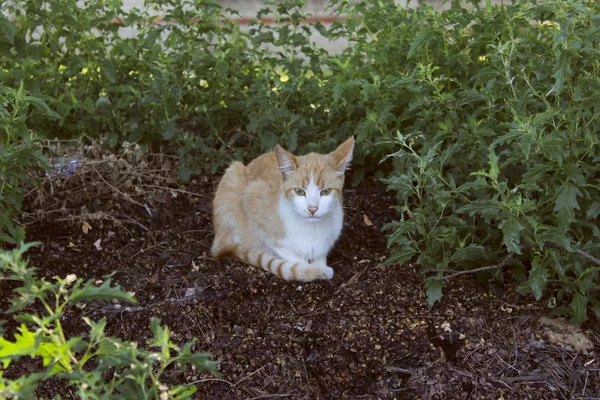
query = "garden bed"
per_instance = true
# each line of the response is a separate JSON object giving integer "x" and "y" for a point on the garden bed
{"x": 367, "y": 333}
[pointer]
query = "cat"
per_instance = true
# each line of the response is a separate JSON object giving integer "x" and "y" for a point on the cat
{"x": 282, "y": 213}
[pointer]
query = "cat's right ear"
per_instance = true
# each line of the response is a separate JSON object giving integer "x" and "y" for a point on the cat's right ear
{"x": 285, "y": 160}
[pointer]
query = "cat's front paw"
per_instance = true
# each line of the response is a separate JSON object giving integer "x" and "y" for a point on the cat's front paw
{"x": 327, "y": 272}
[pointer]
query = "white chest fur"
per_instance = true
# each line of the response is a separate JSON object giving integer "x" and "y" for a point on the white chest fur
{"x": 310, "y": 240}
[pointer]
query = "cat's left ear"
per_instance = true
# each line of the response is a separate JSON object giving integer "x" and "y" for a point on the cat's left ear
{"x": 285, "y": 160}
{"x": 342, "y": 156}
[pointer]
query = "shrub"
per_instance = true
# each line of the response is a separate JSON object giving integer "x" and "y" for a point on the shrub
{"x": 21, "y": 158}
{"x": 496, "y": 113}
{"x": 101, "y": 367}
{"x": 177, "y": 72}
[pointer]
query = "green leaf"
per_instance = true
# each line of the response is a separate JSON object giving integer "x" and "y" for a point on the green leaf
{"x": 41, "y": 104}
{"x": 594, "y": 210}
{"x": 126, "y": 49}
{"x": 107, "y": 68}
{"x": 24, "y": 345}
{"x": 579, "y": 307}
{"x": 401, "y": 256}
{"x": 434, "y": 290}
{"x": 538, "y": 277}
{"x": 161, "y": 338}
{"x": 7, "y": 30}
{"x": 103, "y": 292}
{"x": 574, "y": 174}
{"x": 535, "y": 175}
{"x": 489, "y": 208}
{"x": 89, "y": 106}
{"x": 494, "y": 168}
{"x": 567, "y": 198}
{"x": 23, "y": 388}
{"x": 472, "y": 252}
{"x": 422, "y": 39}
{"x": 222, "y": 69}
{"x": 555, "y": 235}
{"x": 511, "y": 230}
{"x": 6, "y": 238}
{"x": 181, "y": 392}
{"x": 561, "y": 72}
{"x": 168, "y": 129}
{"x": 33, "y": 344}
{"x": 200, "y": 360}
{"x": 97, "y": 329}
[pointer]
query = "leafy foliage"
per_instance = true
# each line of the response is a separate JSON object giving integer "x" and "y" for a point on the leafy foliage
{"x": 20, "y": 154}
{"x": 496, "y": 113}
{"x": 199, "y": 82}
{"x": 488, "y": 114}
{"x": 121, "y": 370}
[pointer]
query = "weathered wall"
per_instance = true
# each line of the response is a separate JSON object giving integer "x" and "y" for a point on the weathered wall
{"x": 248, "y": 8}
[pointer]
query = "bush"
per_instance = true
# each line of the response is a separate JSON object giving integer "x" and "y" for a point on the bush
{"x": 99, "y": 366}
{"x": 202, "y": 83}
{"x": 21, "y": 158}
{"x": 496, "y": 111}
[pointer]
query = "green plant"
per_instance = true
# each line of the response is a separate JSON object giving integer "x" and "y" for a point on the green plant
{"x": 101, "y": 367}
{"x": 496, "y": 162}
{"x": 183, "y": 73}
{"x": 21, "y": 158}
{"x": 488, "y": 113}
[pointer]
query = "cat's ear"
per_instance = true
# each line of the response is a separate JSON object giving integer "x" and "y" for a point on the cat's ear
{"x": 285, "y": 160}
{"x": 342, "y": 156}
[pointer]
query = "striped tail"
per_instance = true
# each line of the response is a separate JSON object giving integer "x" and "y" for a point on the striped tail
{"x": 286, "y": 270}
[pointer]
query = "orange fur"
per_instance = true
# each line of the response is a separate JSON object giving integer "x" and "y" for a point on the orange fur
{"x": 247, "y": 221}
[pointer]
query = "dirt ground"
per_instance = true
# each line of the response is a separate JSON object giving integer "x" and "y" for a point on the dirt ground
{"x": 366, "y": 334}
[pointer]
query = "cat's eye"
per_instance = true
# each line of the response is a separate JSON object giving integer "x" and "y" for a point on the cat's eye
{"x": 299, "y": 192}
{"x": 325, "y": 192}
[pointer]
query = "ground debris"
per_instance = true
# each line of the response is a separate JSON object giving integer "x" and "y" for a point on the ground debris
{"x": 368, "y": 333}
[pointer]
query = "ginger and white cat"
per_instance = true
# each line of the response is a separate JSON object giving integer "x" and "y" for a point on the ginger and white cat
{"x": 281, "y": 212}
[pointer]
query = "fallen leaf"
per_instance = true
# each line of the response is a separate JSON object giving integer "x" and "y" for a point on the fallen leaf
{"x": 85, "y": 227}
{"x": 70, "y": 245}
{"x": 367, "y": 220}
{"x": 97, "y": 244}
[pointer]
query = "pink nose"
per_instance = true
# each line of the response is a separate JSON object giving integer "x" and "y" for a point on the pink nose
{"x": 312, "y": 210}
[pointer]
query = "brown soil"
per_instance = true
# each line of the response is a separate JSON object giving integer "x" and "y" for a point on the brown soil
{"x": 368, "y": 333}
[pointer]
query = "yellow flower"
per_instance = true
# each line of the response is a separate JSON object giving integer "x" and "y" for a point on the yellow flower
{"x": 283, "y": 76}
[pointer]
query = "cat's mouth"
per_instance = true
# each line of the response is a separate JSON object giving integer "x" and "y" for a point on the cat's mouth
{"x": 313, "y": 218}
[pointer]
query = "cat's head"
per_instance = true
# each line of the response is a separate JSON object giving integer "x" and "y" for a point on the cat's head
{"x": 312, "y": 184}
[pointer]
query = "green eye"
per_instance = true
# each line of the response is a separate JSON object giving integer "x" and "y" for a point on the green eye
{"x": 299, "y": 192}
{"x": 325, "y": 192}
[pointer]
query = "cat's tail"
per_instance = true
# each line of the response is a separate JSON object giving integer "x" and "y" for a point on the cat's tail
{"x": 287, "y": 270}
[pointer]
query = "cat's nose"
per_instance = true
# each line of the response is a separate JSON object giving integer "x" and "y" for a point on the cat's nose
{"x": 312, "y": 210}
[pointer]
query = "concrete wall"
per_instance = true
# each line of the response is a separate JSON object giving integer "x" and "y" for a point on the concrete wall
{"x": 249, "y": 8}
